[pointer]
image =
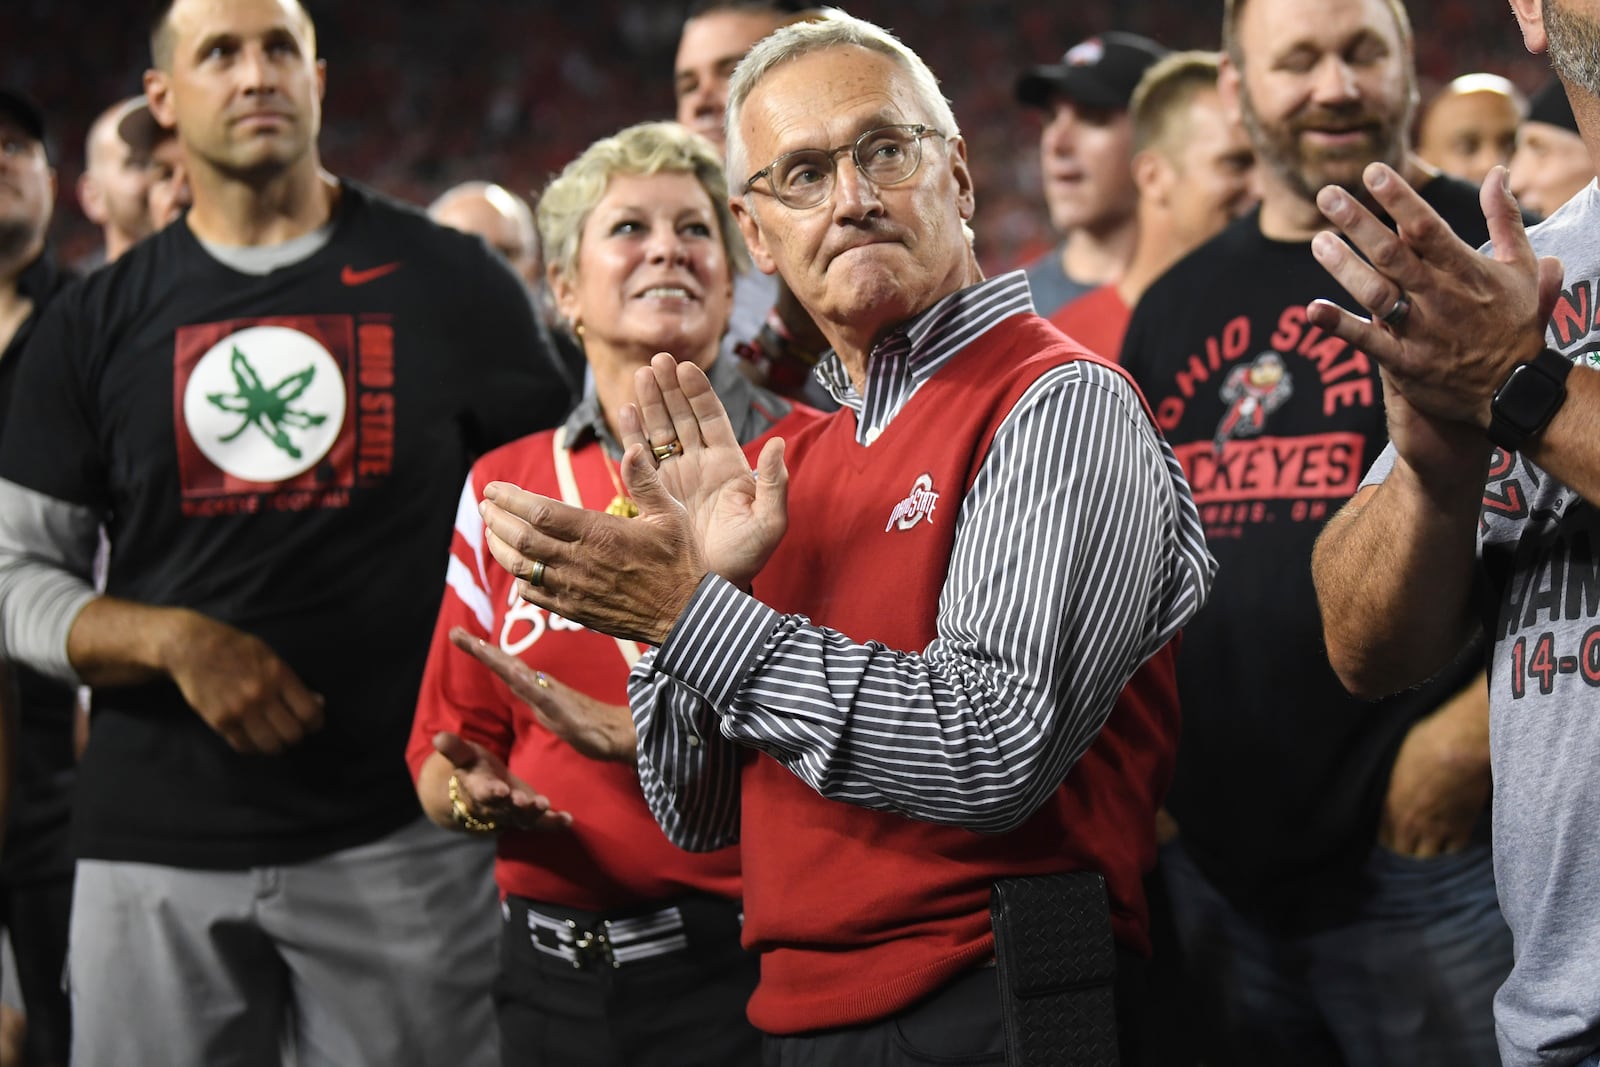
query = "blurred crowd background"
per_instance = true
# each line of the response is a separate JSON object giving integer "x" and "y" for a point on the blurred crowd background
{"x": 422, "y": 94}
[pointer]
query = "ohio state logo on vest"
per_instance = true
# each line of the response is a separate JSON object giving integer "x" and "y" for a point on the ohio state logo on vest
{"x": 917, "y": 506}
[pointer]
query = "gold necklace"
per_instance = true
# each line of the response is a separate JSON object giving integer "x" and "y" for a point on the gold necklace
{"x": 621, "y": 504}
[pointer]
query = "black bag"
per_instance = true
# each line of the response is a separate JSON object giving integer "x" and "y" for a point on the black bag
{"x": 1058, "y": 968}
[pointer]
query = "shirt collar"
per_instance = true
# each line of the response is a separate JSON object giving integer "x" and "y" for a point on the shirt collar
{"x": 915, "y": 350}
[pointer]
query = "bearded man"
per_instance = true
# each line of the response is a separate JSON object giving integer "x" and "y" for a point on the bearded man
{"x": 1331, "y": 878}
{"x": 1486, "y": 501}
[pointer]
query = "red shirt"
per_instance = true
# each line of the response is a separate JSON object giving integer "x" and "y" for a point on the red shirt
{"x": 614, "y": 855}
{"x": 1097, "y": 320}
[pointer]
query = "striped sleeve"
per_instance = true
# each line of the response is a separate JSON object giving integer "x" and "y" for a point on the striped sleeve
{"x": 1078, "y": 554}
{"x": 688, "y": 771}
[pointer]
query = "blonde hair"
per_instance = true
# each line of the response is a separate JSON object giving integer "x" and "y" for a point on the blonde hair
{"x": 1166, "y": 89}
{"x": 644, "y": 149}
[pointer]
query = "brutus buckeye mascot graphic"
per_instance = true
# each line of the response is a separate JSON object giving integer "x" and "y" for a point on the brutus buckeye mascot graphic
{"x": 1253, "y": 392}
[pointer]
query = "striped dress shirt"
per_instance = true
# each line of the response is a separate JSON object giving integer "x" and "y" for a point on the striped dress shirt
{"x": 1033, "y": 647}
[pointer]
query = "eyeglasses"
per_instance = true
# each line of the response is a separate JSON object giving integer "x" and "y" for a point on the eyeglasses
{"x": 884, "y": 156}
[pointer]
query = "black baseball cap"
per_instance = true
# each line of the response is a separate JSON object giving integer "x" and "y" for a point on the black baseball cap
{"x": 24, "y": 112}
{"x": 1550, "y": 105}
{"x": 1102, "y": 71}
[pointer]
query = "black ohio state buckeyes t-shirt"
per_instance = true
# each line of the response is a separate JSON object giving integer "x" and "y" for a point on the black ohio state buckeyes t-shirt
{"x": 283, "y": 453}
{"x": 1281, "y": 774}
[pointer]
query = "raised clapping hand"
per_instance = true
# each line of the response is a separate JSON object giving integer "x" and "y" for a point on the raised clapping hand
{"x": 595, "y": 729}
{"x": 701, "y": 508}
{"x": 1472, "y": 318}
{"x": 491, "y": 793}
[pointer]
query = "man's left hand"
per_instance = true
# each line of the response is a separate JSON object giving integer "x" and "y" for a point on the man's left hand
{"x": 1440, "y": 782}
{"x": 1472, "y": 318}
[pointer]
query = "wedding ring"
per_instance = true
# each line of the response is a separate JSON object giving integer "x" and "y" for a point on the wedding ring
{"x": 666, "y": 451}
{"x": 1397, "y": 313}
{"x": 536, "y": 577}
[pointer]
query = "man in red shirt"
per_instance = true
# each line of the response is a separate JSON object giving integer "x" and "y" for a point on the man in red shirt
{"x": 887, "y": 712}
{"x": 1195, "y": 171}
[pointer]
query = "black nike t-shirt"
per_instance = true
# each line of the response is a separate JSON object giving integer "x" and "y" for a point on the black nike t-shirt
{"x": 283, "y": 453}
{"x": 1281, "y": 774}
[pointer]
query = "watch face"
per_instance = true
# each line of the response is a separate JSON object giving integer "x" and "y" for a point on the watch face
{"x": 1530, "y": 396}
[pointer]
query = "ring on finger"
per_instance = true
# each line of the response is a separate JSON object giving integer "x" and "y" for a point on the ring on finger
{"x": 666, "y": 451}
{"x": 1396, "y": 315}
{"x": 536, "y": 576}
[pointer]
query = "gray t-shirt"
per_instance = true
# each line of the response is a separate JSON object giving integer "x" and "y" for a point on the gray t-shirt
{"x": 1052, "y": 288}
{"x": 1540, "y": 546}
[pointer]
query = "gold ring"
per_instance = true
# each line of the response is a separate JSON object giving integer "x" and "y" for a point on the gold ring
{"x": 666, "y": 451}
{"x": 536, "y": 578}
{"x": 467, "y": 821}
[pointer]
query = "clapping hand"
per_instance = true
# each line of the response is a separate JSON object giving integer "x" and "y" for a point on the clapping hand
{"x": 595, "y": 729}
{"x": 739, "y": 514}
{"x": 701, "y": 508}
{"x": 491, "y": 794}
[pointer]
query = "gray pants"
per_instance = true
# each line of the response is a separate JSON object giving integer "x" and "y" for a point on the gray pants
{"x": 378, "y": 955}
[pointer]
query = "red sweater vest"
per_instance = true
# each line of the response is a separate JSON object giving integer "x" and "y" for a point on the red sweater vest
{"x": 860, "y": 913}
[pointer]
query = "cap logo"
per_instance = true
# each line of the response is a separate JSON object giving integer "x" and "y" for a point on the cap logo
{"x": 1086, "y": 54}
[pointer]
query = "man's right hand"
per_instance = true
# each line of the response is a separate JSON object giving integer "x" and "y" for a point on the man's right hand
{"x": 238, "y": 685}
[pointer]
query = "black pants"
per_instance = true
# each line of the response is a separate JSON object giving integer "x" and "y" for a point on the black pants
{"x": 683, "y": 1009}
{"x": 958, "y": 1025}
{"x": 36, "y": 914}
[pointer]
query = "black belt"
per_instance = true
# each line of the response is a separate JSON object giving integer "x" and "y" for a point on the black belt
{"x": 590, "y": 939}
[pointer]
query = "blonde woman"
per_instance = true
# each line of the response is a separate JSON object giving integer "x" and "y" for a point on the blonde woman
{"x": 618, "y": 948}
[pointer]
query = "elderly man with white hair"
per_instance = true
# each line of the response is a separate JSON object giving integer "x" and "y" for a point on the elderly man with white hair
{"x": 923, "y": 650}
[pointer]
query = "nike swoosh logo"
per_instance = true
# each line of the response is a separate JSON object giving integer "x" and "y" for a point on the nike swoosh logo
{"x": 351, "y": 276}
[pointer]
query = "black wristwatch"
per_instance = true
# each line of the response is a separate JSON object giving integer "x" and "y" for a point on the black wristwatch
{"x": 1528, "y": 399}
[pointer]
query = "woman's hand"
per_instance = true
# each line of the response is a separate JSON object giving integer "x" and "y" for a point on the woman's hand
{"x": 489, "y": 793}
{"x": 597, "y": 730}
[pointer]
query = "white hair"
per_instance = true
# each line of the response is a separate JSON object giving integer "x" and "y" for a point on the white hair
{"x": 831, "y": 29}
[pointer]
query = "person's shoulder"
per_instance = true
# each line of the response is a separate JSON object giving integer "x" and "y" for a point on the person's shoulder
{"x": 125, "y": 288}
{"x": 1085, "y": 383}
{"x": 1046, "y": 262}
{"x": 1052, "y": 356}
{"x": 373, "y": 211}
{"x": 1209, "y": 264}
{"x": 1102, "y": 300}
{"x": 1570, "y": 226}
{"x": 515, "y": 459}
